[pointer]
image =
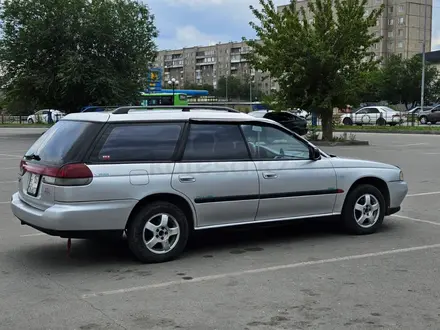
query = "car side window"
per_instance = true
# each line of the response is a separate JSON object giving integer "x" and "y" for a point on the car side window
{"x": 373, "y": 110}
{"x": 138, "y": 143}
{"x": 215, "y": 142}
{"x": 271, "y": 143}
{"x": 361, "y": 112}
{"x": 279, "y": 116}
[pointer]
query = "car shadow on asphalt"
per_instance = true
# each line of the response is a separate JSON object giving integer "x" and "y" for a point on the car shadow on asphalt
{"x": 53, "y": 256}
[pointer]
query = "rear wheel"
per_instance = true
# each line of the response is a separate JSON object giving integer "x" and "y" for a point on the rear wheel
{"x": 423, "y": 120}
{"x": 364, "y": 210}
{"x": 30, "y": 121}
{"x": 158, "y": 232}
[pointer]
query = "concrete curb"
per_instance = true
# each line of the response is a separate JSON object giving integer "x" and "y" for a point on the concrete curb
{"x": 340, "y": 143}
{"x": 433, "y": 132}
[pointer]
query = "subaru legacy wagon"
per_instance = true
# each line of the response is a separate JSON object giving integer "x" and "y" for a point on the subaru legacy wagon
{"x": 158, "y": 175}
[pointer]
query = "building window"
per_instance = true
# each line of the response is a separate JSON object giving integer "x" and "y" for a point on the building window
{"x": 390, "y": 45}
{"x": 400, "y": 33}
{"x": 378, "y": 22}
{"x": 390, "y": 9}
{"x": 401, "y": 20}
{"x": 390, "y": 34}
{"x": 400, "y": 44}
{"x": 378, "y": 2}
{"x": 400, "y": 9}
{"x": 391, "y": 21}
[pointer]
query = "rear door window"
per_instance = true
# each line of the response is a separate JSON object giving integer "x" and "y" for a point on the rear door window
{"x": 65, "y": 142}
{"x": 150, "y": 142}
{"x": 215, "y": 142}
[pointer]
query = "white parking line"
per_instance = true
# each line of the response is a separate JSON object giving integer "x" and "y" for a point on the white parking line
{"x": 416, "y": 220}
{"x": 4, "y": 202}
{"x": 424, "y": 194}
{"x": 1, "y": 182}
{"x": 259, "y": 271}
{"x": 30, "y": 235}
{"x": 411, "y": 144}
{"x": 9, "y": 155}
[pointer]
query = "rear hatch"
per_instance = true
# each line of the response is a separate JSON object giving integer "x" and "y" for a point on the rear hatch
{"x": 44, "y": 164}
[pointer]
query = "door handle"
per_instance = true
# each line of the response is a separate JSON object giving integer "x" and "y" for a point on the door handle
{"x": 268, "y": 175}
{"x": 186, "y": 178}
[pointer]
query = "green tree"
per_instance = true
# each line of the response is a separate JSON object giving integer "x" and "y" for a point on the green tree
{"x": 71, "y": 53}
{"x": 401, "y": 81}
{"x": 318, "y": 65}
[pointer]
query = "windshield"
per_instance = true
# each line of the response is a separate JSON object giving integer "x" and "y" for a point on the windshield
{"x": 388, "y": 109}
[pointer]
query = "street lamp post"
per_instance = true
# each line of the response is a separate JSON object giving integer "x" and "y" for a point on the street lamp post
{"x": 251, "y": 80}
{"x": 173, "y": 82}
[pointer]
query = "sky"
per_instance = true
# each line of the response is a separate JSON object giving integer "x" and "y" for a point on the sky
{"x": 187, "y": 23}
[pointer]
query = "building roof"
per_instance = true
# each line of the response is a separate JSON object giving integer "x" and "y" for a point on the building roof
{"x": 433, "y": 57}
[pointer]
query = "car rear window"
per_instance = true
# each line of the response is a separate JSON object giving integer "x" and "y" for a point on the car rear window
{"x": 140, "y": 142}
{"x": 65, "y": 142}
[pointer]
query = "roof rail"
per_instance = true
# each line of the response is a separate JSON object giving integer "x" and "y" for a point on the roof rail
{"x": 125, "y": 109}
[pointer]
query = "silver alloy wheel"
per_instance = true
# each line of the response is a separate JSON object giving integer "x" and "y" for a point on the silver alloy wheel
{"x": 161, "y": 233}
{"x": 366, "y": 210}
{"x": 423, "y": 120}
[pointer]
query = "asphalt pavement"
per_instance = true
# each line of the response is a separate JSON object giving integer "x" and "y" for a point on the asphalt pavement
{"x": 305, "y": 275}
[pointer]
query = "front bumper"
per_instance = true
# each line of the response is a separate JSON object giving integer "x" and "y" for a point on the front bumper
{"x": 77, "y": 217}
{"x": 398, "y": 191}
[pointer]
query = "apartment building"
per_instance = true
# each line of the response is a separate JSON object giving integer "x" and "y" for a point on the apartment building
{"x": 207, "y": 64}
{"x": 401, "y": 26}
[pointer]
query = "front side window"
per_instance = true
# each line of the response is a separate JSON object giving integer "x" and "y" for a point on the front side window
{"x": 215, "y": 142}
{"x": 140, "y": 142}
{"x": 270, "y": 143}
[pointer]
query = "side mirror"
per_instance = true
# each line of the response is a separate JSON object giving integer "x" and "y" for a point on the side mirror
{"x": 314, "y": 153}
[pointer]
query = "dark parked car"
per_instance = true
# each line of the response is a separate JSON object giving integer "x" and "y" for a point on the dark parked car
{"x": 430, "y": 115}
{"x": 287, "y": 119}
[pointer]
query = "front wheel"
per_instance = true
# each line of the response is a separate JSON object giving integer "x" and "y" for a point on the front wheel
{"x": 347, "y": 122}
{"x": 423, "y": 120}
{"x": 364, "y": 210}
{"x": 381, "y": 122}
{"x": 30, "y": 121}
{"x": 158, "y": 233}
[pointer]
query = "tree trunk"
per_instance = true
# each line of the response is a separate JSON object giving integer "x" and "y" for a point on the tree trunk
{"x": 327, "y": 125}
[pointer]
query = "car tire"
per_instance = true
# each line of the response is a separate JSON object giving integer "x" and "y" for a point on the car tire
{"x": 30, "y": 121}
{"x": 358, "y": 215}
{"x": 158, "y": 232}
{"x": 347, "y": 122}
{"x": 381, "y": 122}
{"x": 423, "y": 120}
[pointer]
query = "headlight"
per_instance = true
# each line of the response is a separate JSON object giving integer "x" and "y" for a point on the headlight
{"x": 401, "y": 176}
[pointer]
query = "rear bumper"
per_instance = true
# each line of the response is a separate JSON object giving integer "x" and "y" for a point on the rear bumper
{"x": 78, "y": 217}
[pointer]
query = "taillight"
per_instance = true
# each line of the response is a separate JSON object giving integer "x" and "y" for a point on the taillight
{"x": 22, "y": 170}
{"x": 67, "y": 175}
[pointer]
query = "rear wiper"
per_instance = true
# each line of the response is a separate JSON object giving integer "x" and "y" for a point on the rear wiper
{"x": 33, "y": 157}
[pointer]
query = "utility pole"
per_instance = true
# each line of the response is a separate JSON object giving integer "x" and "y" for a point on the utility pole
{"x": 422, "y": 98}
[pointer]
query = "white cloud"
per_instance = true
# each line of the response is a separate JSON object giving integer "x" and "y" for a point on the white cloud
{"x": 189, "y": 36}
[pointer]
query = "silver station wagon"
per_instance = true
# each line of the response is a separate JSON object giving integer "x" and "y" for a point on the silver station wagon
{"x": 157, "y": 174}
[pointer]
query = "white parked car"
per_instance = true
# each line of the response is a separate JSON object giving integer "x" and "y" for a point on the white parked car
{"x": 300, "y": 113}
{"x": 42, "y": 116}
{"x": 373, "y": 115}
